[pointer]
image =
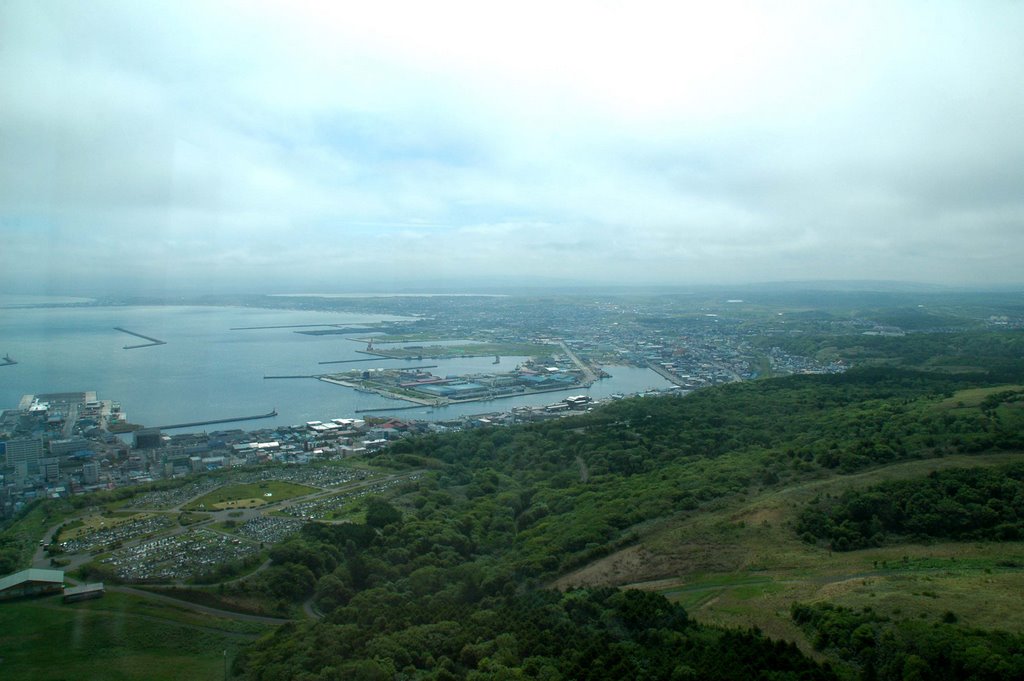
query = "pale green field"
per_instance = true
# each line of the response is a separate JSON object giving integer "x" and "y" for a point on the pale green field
{"x": 118, "y": 637}
{"x": 743, "y": 565}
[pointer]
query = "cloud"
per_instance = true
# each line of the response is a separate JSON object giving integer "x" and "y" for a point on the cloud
{"x": 267, "y": 144}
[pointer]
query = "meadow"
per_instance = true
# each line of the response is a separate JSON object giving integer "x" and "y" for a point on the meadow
{"x": 249, "y": 495}
{"x": 115, "y": 638}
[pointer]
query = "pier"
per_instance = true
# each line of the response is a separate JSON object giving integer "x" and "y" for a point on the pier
{"x": 151, "y": 343}
{"x": 212, "y": 422}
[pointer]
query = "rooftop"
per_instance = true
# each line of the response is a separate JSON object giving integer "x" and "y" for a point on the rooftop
{"x": 32, "y": 575}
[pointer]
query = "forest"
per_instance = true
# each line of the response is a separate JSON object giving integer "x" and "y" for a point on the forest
{"x": 963, "y": 504}
{"x": 911, "y": 650}
{"x": 447, "y": 578}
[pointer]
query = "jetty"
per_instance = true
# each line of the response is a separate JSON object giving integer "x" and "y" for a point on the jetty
{"x": 151, "y": 343}
{"x": 211, "y": 422}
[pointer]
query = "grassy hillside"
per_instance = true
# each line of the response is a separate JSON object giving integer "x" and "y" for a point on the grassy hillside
{"x": 117, "y": 637}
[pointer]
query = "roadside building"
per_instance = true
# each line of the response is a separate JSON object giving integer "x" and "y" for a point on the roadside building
{"x": 83, "y": 592}
{"x": 31, "y": 582}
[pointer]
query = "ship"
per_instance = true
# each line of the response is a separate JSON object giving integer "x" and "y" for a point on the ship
{"x": 8, "y": 361}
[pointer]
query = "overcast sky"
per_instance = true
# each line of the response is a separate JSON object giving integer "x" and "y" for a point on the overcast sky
{"x": 300, "y": 146}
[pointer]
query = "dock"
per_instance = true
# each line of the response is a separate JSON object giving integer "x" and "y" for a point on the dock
{"x": 151, "y": 343}
{"x": 211, "y": 422}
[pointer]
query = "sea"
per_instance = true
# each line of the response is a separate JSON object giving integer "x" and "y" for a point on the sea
{"x": 211, "y": 368}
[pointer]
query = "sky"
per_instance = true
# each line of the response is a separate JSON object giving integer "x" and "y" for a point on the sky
{"x": 332, "y": 146}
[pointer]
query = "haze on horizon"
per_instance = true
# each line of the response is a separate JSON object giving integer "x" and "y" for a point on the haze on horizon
{"x": 323, "y": 146}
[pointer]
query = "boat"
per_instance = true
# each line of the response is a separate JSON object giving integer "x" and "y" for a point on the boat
{"x": 8, "y": 361}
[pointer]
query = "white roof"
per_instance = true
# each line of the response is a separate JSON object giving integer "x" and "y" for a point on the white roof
{"x": 32, "y": 575}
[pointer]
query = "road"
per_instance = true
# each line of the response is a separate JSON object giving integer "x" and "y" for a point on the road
{"x": 588, "y": 374}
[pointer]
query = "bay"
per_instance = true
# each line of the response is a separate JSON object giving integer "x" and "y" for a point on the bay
{"x": 207, "y": 371}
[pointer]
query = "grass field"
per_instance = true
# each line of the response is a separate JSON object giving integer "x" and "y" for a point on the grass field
{"x": 249, "y": 495}
{"x": 743, "y": 565}
{"x": 973, "y": 398}
{"x": 118, "y": 637}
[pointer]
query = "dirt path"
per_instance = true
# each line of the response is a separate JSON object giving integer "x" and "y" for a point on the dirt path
{"x": 241, "y": 617}
{"x": 311, "y": 610}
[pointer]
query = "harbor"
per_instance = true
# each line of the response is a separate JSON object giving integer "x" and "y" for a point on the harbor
{"x": 207, "y": 371}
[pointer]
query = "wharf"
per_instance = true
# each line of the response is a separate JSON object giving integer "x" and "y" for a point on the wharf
{"x": 389, "y": 409}
{"x": 379, "y": 391}
{"x": 450, "y": 402}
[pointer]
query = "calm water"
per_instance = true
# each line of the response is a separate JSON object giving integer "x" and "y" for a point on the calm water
{"x": 206, "y": 371}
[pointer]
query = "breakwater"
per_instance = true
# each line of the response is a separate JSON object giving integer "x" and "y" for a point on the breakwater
{"x": 211, "y": 422}
{"x": 151, "y": 343}
{"x": 350, "y": 361}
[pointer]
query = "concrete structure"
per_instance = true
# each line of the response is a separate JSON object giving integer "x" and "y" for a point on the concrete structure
{"x": 31, "y": 582}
